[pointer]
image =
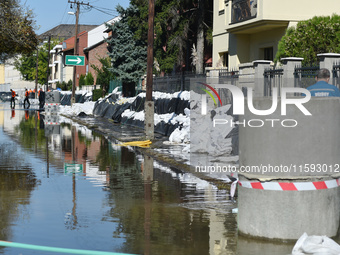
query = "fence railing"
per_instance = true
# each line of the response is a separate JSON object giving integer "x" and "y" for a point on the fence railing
{"x": 176, "y": 82}
{"x": 336, "y": 75}
{"x": 305, "y": 76}
{"x": 261, "y": 76}
{"x": 272, "y": 79}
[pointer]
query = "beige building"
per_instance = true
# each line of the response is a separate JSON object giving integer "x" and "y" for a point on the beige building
{"x": 2, "y": 73}
{"x": 59, "y": 72}
{"x": 248, "y": 30}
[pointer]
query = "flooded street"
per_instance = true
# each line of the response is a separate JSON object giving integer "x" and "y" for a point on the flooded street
{"x": 75, "y": 189}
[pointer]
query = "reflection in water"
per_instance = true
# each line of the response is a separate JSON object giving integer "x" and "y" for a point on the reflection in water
{"x": 120, "y": 201}
{"x": 17, "y": 180}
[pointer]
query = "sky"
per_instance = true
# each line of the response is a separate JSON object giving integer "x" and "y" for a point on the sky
{"x": 51, "y": 13}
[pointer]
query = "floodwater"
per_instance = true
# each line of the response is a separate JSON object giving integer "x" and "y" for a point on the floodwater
{"x": 66, "y": 186}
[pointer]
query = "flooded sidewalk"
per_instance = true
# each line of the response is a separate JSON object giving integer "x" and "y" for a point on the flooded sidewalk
{"x": 80, "y": 190}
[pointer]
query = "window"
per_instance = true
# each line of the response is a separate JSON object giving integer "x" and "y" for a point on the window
{"x": 243, "y": 10}
{"x": 223, "y": 61}
{"x": 268, "y": 53}
{"x": 220, "y": 7}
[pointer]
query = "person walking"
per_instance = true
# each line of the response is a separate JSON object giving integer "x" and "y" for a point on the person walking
{"x": 322, "y": 88}
{"x": 26, "y": 99}
{"x": 13, "y": 98}
{"x": 41, "y": 96}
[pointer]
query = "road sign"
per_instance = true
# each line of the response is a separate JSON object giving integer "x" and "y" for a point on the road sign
{"x": 72, "y": 60}
{"x": 73, "y": 168}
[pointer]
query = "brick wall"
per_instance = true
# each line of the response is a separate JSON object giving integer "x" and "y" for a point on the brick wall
{"x": 94, "y": 55}
{"x": 82, "y": 43}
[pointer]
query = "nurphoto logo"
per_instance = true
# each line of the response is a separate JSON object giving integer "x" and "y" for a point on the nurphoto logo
{"x": 238, "y": 99}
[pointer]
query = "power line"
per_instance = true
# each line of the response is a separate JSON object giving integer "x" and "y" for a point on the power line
{"x": 104, "y": 10}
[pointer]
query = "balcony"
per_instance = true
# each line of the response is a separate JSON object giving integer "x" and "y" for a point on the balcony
{"x": 242, "y": 10}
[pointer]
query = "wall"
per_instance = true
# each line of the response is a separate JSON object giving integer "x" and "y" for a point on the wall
{"x": 315, "y": 140}
{"x": 93, "y": 57}
{"x": 81, "y": 45}
{"x": 2, "y": 73}
{"x": 298, "y": 10}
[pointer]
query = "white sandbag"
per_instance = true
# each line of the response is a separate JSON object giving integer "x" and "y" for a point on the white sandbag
{"x": 315, "y": 245}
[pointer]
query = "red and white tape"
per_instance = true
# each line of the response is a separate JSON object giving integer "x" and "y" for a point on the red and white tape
{"x": 297, "y": 186}
{"x": 51, "y": 123}
{"x": 52, "y": 104}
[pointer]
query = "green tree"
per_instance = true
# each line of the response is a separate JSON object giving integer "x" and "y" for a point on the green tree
{"x": 81, "y": 80}
{"x": 103, "y": 74}
{"x": 69, "y": 85}
{"x": 127, "y": 54}
{"x": 17, "y": 34}
{"x": 26, "y": 63}
{"x": 311, "y": 37}
{"x": 89, "y": 80}
{"x": 179, "y": 24}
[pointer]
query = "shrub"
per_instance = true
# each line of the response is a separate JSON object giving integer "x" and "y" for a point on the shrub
{"x": 311, "y": 37}
{"x": 96, "y": 94}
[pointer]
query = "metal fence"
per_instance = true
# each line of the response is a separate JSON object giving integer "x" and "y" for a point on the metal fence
{"x": 336, "y": 75}
{"x": 272, "y": 79}
{"x": 114, "y": 84}
{"x": 227, "y": 77}
{"x": 176, "y": 82}
{"x": 304, "y": 76}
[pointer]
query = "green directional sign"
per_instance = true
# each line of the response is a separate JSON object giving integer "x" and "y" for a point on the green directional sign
{"x": 72, "y": 168}
{"x": 72, "y": 60}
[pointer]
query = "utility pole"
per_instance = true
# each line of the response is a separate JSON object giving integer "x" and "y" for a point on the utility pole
{"x": 149, "y": 104}
{"x": 36, "y": 74}
{"x": 75, "y": 51}
{"x": 48, "y": 63}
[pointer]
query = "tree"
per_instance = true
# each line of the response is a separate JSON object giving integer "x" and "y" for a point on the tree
{"x": 26, "y": 64}
{"x": 69, "y": 85}
{"x": 89, "y": 80}
{"x": 128, "y": 55}
{"x": 179, "y": 24}
{"x": 103, "y": 74}
{"x": 17, "y": 34}
{"x": 81, "y": 80}
{"x": 311, "y": 37}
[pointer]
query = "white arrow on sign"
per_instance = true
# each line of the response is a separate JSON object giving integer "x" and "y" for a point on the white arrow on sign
{"x": 78, "y": 60}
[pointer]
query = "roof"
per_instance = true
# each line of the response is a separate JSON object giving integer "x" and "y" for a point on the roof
{"x": 65, "y": 31}
{"x": 70, "y": 41}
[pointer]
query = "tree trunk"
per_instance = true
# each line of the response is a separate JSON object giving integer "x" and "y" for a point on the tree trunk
{"x": 200, "y": 38}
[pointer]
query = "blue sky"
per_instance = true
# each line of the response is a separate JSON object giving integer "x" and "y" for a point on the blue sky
{"x": 51, "y": 13}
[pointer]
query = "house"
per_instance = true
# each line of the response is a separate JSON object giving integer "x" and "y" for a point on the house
{"x": 97, "y": 47}
{"x": 248, "y": 30}
{"x": 91, "y": 45}
{"x": 60, "y": 72}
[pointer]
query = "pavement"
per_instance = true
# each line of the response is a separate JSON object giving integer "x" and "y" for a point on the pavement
{"x": 171, "y": 155}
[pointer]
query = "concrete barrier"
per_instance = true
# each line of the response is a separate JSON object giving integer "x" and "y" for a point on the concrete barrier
{"x": 302, "y": 194}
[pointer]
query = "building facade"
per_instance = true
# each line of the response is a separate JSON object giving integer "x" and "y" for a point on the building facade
{"x": 97, "y": 47}
{"x": 248, "y": 30}
{"x": 91, "y": 45}
{"x": 59, "y": 72}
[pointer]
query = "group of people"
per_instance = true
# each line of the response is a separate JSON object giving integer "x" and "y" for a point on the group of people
{"x": 41, "y": 96}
